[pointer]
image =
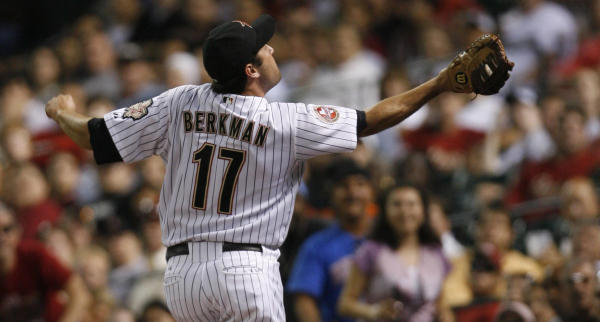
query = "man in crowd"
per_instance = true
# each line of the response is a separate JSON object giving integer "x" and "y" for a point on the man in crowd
{"x": 324, "y": 260}
{"x": 31, "y": 279}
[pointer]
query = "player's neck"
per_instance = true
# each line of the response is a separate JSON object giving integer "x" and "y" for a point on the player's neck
{"x": 253, "y": 88}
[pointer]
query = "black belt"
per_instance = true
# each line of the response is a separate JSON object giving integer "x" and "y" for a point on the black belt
{"x": 183, "y": 249}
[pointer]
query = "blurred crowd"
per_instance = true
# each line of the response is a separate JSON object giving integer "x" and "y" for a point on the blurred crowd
{"x": 475, "y": 208}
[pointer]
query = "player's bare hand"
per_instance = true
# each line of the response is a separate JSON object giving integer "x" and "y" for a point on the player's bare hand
{"x": 389, "y": 309}
{"x": 59, "y": 103}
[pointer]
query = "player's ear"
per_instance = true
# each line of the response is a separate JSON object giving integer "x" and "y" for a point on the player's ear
{"x": 251, "y": 71}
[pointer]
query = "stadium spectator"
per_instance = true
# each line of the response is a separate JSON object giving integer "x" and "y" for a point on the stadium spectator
{"x": 576, "y": 156}
{"x": 153, "y": 247}
{"x": 101, "y": 62}
{"x": 484, "y": 280}
{"x": 398, "y": 273}
{"x": 94, "y": 265}
{"x": 551, "y": 241}
{"x": 441, "y": 226}
{"x": 446, "y": 144}
{"x": 129, "y": 263}
{"x": 581, "y": 287}
{"x": 579, "y": 201}
{"x": 19, "y": 106}
{"x": 199, "y": 17}
{"x": 31, "y": 279}
{"x": 156, "y": 311}
{"x": 354, "y": 78}
{"x": 538, "y": 301}
{"x": 182, "y": 69}
{"x": 58, "y": 243}
{"x": 17, "y": 143}
{"x": 63, "y": 176}
{"x": 113, "y": 208}
{"x": 122, "y": 314}
{"x": 324, "y": 260}
{"x": 537, "y": 34}
{"x": 122, "y": 19}
{"x": 157, "y": 21}
{"x": 494, "y": 229}
{"x": 444, "y": 141}
{"x": 45, "y": 72}
{"x": 436, "y": 53}
{"x": 138, "y": 81}
{"x": 70, "y": 55}
{"x": 514, "y": 312}
{"x": 29, "y": 195}
{"x": 536, "y": 149}
{"x": 587, "y": 91}
{"x": 586, "y": 243}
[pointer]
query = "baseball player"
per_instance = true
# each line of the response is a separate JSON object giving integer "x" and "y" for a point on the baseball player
{"x": 234, "y": 162}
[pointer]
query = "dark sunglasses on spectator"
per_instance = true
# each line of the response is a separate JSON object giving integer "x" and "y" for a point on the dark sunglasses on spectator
{"x": 7, "y": 229}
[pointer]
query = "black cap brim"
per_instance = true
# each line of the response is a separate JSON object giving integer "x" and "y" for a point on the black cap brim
{"x": 265, "y": 28}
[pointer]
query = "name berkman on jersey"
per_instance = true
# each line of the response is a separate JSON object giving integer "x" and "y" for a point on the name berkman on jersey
{"x": 224, "y": 124}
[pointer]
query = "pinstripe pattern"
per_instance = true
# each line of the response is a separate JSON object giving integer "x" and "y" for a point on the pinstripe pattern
{"x": 208, "y": 285}
{"x": 267, "y": 183}
{"x": 275, "y": 140}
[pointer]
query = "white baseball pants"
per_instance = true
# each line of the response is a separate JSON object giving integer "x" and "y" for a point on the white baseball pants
{"x": 211, "y": 285}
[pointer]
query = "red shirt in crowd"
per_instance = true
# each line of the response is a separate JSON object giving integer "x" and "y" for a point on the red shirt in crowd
{"x": 46, "y": 144}
{"x": 478, "y": 312}
{"x": 30, "y": 291}
{"x": 33, "y": 219}
{"x": 426, "y": 137}
{"x": 588, "y": 56}
{"x": 542, "y": 179}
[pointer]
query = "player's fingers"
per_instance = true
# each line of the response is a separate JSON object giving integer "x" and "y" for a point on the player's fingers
{"x": 65, "y": 101}
{"x": 69, "y": 102}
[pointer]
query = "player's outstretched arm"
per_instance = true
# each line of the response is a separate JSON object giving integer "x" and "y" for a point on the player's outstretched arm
{"x": 483, "y": 68}
{"x": 61, "y": 109}
{"x": 395, "y": 109}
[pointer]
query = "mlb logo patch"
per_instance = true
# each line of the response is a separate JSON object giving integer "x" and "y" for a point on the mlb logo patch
{"x": 327, "y": 114}
{"x": 227, "y": 100}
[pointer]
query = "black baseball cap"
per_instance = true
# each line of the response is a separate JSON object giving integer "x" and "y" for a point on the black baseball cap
{"x": 232, "y": 45}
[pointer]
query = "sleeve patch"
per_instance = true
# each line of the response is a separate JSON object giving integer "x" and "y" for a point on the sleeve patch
{"x": 138, "y": 110}
{"x": 326, "y": 114}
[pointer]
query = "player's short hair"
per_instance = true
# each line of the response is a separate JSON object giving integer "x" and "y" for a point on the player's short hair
{"x": 237, "y": 84}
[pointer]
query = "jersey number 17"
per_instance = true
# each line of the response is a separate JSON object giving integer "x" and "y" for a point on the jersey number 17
{"x": 203, "y": 157}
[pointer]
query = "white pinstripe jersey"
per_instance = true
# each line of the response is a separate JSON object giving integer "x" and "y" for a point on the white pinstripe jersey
{"x": 233, "y": 163}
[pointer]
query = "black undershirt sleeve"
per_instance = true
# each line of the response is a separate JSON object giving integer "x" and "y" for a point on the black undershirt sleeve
{"x": 104, "y": 148}
{"x": 361, "y": 121}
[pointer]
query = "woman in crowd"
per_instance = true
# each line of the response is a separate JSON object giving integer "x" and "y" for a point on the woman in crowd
{"x": 400, "y": 270}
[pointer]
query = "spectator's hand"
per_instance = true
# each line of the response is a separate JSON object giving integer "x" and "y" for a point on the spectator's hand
{"x": 389, "y": 309}
{"x": 551, "y": 258}
{"x": 437, "y": 220}
{"x": 59, "y": 103}
{"x": 445, "y": 161}
{"x": 543, "y": 311}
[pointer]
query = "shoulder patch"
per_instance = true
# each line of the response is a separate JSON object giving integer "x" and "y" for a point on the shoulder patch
{"x": 326, "y": 114}
{"x": 138, "y": 110}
